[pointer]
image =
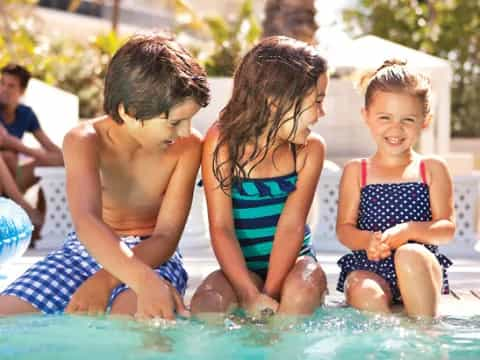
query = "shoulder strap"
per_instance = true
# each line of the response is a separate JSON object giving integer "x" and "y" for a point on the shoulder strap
{"x": 364, "y": 172}
{"x": 423, "y": 172}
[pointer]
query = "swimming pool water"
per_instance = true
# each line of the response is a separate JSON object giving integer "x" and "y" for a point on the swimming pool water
{"x": 339, "y": 333}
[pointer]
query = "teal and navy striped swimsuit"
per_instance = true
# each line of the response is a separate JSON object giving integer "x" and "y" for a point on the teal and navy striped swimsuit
{"x": 257, "y": 206}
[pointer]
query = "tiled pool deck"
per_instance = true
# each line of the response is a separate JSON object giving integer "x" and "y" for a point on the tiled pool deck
{"x": 464, "y": 277}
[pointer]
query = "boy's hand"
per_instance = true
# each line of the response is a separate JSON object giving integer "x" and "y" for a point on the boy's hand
{"x": 158, "y": 298}
{"x": 259, "y": 304}
{"x": 396, "y": 236}
{"x": 92, "y": 296}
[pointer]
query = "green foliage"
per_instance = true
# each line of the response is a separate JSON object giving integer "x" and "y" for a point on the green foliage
{"x": 77, "y": 67}
{"x": 217, "y": 42}
{"x": 448, "y": 29}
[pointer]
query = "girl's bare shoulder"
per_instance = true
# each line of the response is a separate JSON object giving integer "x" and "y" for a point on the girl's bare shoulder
{"x": 436, "y": 167}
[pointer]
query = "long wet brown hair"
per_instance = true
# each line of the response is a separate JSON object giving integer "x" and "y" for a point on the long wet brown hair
{"x": 279, "y": 71}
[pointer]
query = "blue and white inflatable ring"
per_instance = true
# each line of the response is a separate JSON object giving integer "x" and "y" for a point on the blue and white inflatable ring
{"x": 15, "y": 230}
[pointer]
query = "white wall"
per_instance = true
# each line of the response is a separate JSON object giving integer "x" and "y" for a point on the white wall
{"x": 56, "y": 109}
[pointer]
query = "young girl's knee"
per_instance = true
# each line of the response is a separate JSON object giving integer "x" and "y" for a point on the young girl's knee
{"x": 367, "y": 292}
{"x": 414, "y": 257}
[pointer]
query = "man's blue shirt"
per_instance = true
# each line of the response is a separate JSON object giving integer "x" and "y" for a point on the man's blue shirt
{"x": 25, "y": 121}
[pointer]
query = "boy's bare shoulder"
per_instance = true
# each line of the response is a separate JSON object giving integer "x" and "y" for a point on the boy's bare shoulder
{"x": 189, "y": 144}
{"x": 82, "y": 135}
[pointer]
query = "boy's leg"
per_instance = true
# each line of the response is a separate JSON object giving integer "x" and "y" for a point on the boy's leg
{"x": 368, "y": 291}
{"x": 216, "y": 295}
{"x": 419, "y": 279}
{"x": 49, "y": 284}
{"x": 304, "y": 288}
{"x": 12, "y": 305}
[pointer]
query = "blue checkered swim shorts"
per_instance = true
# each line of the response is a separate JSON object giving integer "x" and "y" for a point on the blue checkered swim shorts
{"x": 50, "y": 283}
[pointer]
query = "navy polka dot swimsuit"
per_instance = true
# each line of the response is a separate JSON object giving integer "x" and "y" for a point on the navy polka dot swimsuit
{"x": 383, "y": 206}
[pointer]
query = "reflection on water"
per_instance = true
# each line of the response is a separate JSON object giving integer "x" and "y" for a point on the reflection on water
{"x": 329, "y": 334}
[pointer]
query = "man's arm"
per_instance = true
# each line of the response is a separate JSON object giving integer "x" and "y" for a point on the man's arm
{"x": 53, "y": 156}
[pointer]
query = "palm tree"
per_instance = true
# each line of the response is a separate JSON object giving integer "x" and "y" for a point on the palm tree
{"x": 74, "y": 4}
{"x": 294, "y": 18}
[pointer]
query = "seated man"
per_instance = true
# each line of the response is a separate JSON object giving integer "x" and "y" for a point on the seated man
{"x": 15, "y": 120}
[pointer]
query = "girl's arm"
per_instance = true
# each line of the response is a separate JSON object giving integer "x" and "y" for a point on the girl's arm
{"x": 442, "y": 227}
{"x": 347, "y": 212}
{"x": 222, "y": 231}
{"x": 290, "y": 231}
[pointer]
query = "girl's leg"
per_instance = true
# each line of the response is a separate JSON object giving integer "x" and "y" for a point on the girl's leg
{"x": 304, "y": 288}
{"x": 12, "y": 305}
{"x": 368, "y": 291}
{"x": 419, "y": 279}
{"x": 216, "y": 295}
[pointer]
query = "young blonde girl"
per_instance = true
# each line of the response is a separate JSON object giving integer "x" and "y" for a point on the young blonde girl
{"x": 396, "y": 206}
{"x": 260, "y": 166}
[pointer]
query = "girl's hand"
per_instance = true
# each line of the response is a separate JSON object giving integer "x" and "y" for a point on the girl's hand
{"x": 396, "y": 236}
{"x": 374, "y": 246}
{"x": 258, "y": 305}
{"x": 384, "y": 250}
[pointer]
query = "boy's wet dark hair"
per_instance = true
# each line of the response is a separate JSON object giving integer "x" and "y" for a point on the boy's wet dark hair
{"x": 149, "y": 75}
{"x": 22, "y": 74}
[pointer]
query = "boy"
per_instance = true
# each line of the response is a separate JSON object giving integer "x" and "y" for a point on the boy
{"x": 130, "y": 179}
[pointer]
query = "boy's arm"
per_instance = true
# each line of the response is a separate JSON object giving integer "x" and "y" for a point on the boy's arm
{"x": 347, "y": 211}
{"x": 441, "y": 228}
{"x": 290, "y": 231}
{"x": 222, "y": 231}
{"x": 84, "y": 199}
